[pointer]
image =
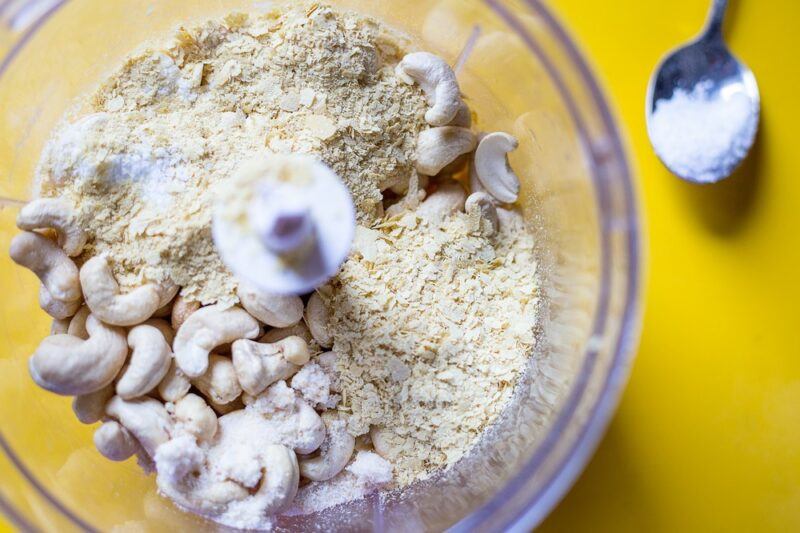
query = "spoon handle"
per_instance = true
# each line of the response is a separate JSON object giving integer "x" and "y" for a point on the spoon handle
{"x": 716, "y": 17}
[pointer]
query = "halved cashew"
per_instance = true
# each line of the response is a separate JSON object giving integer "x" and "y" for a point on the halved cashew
{"x": 181, "y": 309}
{"x": 259, "y": 365}
{"x": 273, "y": 310}
{"x": 463, "y": 118}
{"x": 77, "y": 326}
{"x": 334, "y": 453}
{"x": 59, "y": 326}
{"x": 51, "y": 264}
{"x": 145, "y": 418}
{"x": 69, "y": 365}
{"x": 318, "y": 319}
{"x": 107, "y": 303}
{"x": 175, "y": 384}
{"x": 149, "y": 362}
{"x": 475, "y": 184}
{"x": 219, "y": 384}
{"x": 300, "y": 330}
{"x": 54, "y": 213}
{"x": 91, "y": 408}
{"x": 206, "y": 329}
{"x": 378, "y": 436}
{"x": 437, "y": 80}
{"x": 492, "y": 167}
{"x": 56, "y": 308}
{"x": 438, "y": 147}
{"x": 193, "y": 415}
{"x": 480, "y": 206}
{"x": 449, "y": 198}
{"x": 114, "y": 441}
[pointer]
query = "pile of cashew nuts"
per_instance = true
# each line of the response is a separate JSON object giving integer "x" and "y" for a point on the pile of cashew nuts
{"x": 165, "y": 376}
{"x": 154, "y": 367}
{"x": 450, "y": 143}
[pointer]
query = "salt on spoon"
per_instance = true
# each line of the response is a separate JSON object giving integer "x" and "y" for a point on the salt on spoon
{"x": 284, "y": 223}
{"x": 703, "y": 107}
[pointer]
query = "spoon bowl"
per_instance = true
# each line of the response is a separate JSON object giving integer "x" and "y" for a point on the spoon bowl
{"x": 703, "y": 107}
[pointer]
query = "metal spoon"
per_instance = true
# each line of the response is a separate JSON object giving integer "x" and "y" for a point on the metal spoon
{"x": 703, "y": 106}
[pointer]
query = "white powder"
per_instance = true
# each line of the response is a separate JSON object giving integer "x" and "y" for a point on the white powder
{"x": 176, "y": 458}
{"x": 366, "y": 473}
{"x": 699, "y": 135}
{"x": 371, "y": 469}
{"x": 313, "y": 384}
{"x": 223, "y": 478}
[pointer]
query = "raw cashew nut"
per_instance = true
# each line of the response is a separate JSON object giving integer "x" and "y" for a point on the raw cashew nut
{"x": 248, "y": 398}
{"x": 108, "y": 304}
{"x": 55, "y": 269}
{"x": 194, "y": 416}
{"x": 481, "y": 206}
{"x": 260, "y": 365}
{"x": 378, "y": 436}
{"x": 438, "y": 147}
{"x": 218, "y": 494}
{"x": 77, "y": 326}
{"x": 437, "y": 80}
{"x": 463, "y": 118}
{"x": 114, "y": 442}
{"x": 181, "y": 461}
{"x": 175, "y": 384}
{"x": 59, "y": 326}
{"x": 181, "y": 310}
{"x": 164, "y": 327}
{"x": 493, "y": 169}
{"x": 69, "y": 365}
{"x": 163, "y": 311}
{"x": 56, "y": 308}
{"x": 149, "y": 362}
{"x": 206, "y": 329}
{"x": 54, "y": 213}
{"x": 167, "y": 290}
{"x": 225, "y": 408}
{"x": 300, "y": 330}
{"x": 273, "y": 310}
{"x": 219, "y": 384}
{"x": 449, "y": 198}
{"x": 406, "y": 204}
{"x": 334, "y": 454}
{"x": 281, "y": 477}
{"x": 91, "y": 408}
{"x": 318, "y": 319}
{"x": 145, "y": 418}
{"x": 293, "y": 423}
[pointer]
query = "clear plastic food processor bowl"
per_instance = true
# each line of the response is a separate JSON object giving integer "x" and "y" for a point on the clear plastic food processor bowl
{"x": 524, "y": 75}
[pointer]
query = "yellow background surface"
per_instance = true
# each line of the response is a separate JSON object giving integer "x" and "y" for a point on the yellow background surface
{"x": 707, "y": 437}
